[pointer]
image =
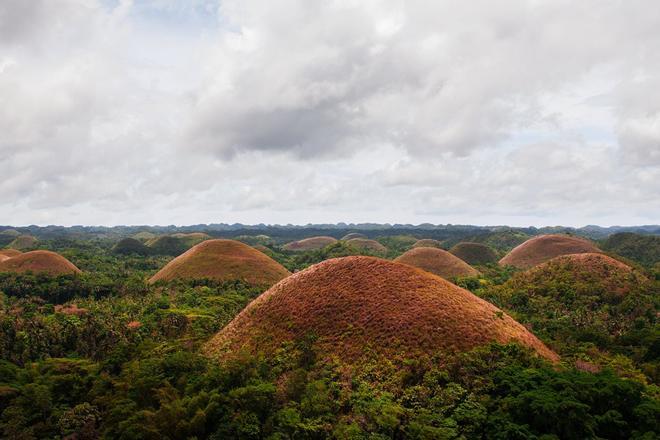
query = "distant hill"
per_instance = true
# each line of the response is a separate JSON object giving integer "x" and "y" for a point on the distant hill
{"x": 128, "y": 246}
{"x": 437, "y": 261}
{"x": 23, "y": 242}
{"x": 223, "y": 260}
{"x": 39, "y": 262}
{"x": 643, "y": 249}
{"x": 175, "y": 244}
{"x": 542, "y": 248}
{"x": 474, "y": 253}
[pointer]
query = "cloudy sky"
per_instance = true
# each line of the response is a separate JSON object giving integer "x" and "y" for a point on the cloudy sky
{"x": 181, "y": 112}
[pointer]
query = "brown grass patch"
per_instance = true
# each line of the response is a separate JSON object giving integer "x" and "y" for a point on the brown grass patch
{"x": 309, "y": 244}
{"x": 223, "y": 260}
{"x": 71, "y": 309}
{"x": 352, "y": 303}
{"x": 437, "y": 261}
{"x": 540, "y": 249}
{"x": 39, "y": 261}
{"x": 474, "y": 253}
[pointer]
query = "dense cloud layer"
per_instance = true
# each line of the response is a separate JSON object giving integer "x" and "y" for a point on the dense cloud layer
{"x": 531, "y": 112}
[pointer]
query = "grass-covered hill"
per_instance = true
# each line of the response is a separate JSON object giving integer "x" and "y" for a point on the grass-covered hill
{"x": 352, "y": 305}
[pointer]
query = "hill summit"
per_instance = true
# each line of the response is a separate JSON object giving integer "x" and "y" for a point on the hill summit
{"x": 540, "y": 249}
{"x": 39, "y": 262}
{"x": 355, "y": 304}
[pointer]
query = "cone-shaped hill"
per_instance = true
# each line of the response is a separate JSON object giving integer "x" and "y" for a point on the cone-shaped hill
{"x": 23, "y": 242}
{"x": 437, "y": 261}
{"x": 39, "y": 262}
{"x": 365, "y": 244}
{"x": 355, "y": 304}
{"x": 128, "y": 246}
{"x": 10, "y": 252}
{"x": 579, "y": 298}
{"x": 310, "y": 244}
{"x": 223, "y": 260}
{"x": 540, "y": 249}
{"x": 474, "y": 253}
{"x": 428, "y": 242}
{"x": 588, "y": 273}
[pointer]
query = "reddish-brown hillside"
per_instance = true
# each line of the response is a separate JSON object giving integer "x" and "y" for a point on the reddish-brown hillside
{"x": 437, "y": 261}
{"x": 356, "y": 304}
{"x": 10, "y": 252}
{"x": 37, "y": 262}
{"x": 310, "y": 244}
{"x": 428, "y": 242}
{"x": 364, "y": 244}
{"x": 223, "y": 260}
{"x": 3, "y": 258}
{"x": 540, "y": 249}
{"x": 474, "y": 253}
{"x": 592, "y": 271}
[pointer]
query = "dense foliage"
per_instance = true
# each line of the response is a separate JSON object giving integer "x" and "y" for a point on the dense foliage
{"x": 106, "y": 355}
{"x": 643, "y": 249}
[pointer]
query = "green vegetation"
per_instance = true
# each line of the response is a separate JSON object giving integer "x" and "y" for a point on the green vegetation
{"x": 104, "y": 354}
{"x": 642, "y": 249}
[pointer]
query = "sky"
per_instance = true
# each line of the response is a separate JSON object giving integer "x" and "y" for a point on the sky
{"x": 259, "y": 111}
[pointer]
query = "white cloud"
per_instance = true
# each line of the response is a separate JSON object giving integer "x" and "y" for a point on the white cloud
{"x": 297, "y": 111}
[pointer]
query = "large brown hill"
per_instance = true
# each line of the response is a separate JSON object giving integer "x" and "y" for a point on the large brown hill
{"x": 355, "y": 304}
{"x": 540, "y": 249}
{"x": 39, "y": 262}
{"x": 437, "y": 261}
{"x": 310, "y": 244}
{"x": 223, "y": 260}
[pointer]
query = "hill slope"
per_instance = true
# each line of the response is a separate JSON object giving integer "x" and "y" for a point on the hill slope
{"x": 540, "y": 249}
{"x": 223, "y": 260}
{"x": 353, "y": 304}
{"x": 437, "y": 261}
{"x": 39, "y": 262}
{"x": 10, "y": 252}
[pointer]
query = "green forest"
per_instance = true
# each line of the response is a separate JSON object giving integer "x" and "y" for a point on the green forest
{"x": 105, "y": 354}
